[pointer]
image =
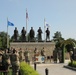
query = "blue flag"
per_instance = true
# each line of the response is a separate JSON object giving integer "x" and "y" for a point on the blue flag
{"x": 10, "y": 23}
{"x": 47, "y": 25}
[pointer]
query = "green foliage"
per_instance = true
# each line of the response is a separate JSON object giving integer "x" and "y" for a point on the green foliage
{"x": 57, "y": 34}
{"x": 26, "y": 69}
{"x": 58, "y": 40}
{"x": 69, "y": 44}
{"x": 57, "y": 37}
{"x": 3, "y": 40}
{"x": 72, "y": 64}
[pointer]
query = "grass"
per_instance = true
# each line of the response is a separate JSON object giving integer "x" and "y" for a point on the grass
{"x": 25, "y": 69}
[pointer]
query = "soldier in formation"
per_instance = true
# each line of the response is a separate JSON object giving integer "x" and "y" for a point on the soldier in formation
{"x": 21, "y": 54}
{"x": 26, "y": 54}
{"x": 5, "y": 61}
{"x": 13, "y": 58}
{"x": 15, "y": 62}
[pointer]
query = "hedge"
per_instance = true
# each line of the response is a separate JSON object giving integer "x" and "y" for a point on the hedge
{"x": 26, "y": 69}
{"x": 72, "y": 64}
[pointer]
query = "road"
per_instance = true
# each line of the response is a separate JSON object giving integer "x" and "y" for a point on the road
{"x": 54, "y": 69}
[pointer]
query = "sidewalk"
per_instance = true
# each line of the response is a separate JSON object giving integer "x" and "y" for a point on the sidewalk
{"x": 54, "y": 69}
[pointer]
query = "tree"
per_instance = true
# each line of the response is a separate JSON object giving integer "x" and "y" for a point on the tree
{"x": 3, "y": 40}
{"x": 57, "y": 34}
{"x": 58, "y": 39}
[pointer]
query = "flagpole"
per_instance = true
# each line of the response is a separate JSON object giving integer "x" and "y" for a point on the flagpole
{"x": 26, "y": 26}
{"x": 49, "y": 29}
{"x": 7, "y": 33}
{"x": 44, "y": 30}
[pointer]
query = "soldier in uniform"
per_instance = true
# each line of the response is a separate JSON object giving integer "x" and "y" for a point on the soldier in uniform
{"x": 5, "y": 61}
{"x": 43, "y": 54}
{"x": 31, "y": 34}
{"x": 21, "y": 55}
{"x": 15, "y": 62}
{"x": 26, "y": 54}
{"x": 23, "y": 34}
{"x": 47, "y": 34}
{"x": 36, "y": 52}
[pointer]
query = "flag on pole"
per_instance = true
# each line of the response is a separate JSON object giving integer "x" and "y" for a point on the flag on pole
{"x": 26, "y": 14}
{"x": 10, "y": 23}
{"x": 47, "y": 25}
{"x": 27, "y": 18}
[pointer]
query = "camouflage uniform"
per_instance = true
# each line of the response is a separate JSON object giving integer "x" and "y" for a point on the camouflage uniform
{"x": 5, "y": 61}
{"x": 43, "y": 52}
{"x": 15, "y": 63}
{"x": 21, "y": 55}
{"x": 26, "y": 55}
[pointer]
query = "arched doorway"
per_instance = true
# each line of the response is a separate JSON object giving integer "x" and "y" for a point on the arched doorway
{"x": 69, "y": 45}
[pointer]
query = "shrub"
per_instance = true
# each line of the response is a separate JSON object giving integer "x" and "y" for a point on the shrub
{"x": 26, "y": 69}
{"x": 72, "y": 64}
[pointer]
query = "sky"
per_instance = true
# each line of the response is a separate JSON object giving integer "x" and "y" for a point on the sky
{"x": 59, "y": 14}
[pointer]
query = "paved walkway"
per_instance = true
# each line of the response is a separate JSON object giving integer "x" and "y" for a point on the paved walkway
{"x": 54, "y": 69}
